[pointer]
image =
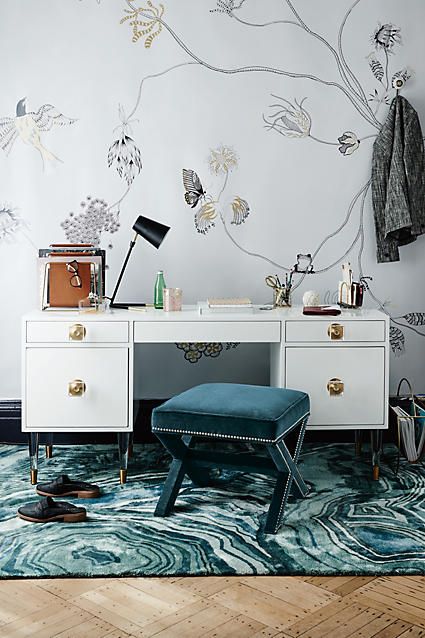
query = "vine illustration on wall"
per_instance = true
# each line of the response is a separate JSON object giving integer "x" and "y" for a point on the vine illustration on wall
{"x": 290, "y": 118}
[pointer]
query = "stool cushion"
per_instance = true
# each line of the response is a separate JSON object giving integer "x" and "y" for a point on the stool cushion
{"x": 232, "y": 411}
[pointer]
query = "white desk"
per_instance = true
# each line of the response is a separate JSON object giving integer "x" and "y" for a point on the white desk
{"x": 78, "y": 368}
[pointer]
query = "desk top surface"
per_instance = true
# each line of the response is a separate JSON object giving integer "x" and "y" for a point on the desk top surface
{"x": 191, "y": 313}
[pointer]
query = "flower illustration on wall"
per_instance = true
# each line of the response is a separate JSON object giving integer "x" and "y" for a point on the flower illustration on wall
{"x": 10, "y": 223}
{"x": 240, "y": 209}
{"x": 87, "y": 226}
{"x": 290, "y": 120}
{"x": 385, "y": 37}
{"x": 204, "y": 218}
{"x": 349, "y": 142}
{"x": 124, "y": 153}
{"x": 227, "y": 6}
{"x": 397, "y": 340}
{"x": 222, "y": 160}
{"x": 148, "y": 28}
{"x": 28, "y": 126}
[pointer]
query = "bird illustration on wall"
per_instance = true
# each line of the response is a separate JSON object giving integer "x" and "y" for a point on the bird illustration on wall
{"x": 29, "y": 126}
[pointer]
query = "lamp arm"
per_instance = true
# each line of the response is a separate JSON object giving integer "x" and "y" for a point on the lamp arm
{"x": 124, "y": 266}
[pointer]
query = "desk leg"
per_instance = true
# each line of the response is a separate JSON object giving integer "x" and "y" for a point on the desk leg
{"x": 49, "y": 445}
{"x": 130, "y": 446}
{"x": 123, "y": 443}
{"x": 33, "y": 450}
{"x": 376, "y": 446}
{"x": 358, "y": 434}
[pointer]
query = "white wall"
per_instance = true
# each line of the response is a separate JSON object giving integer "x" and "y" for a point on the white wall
{"x": 76, "y": 56}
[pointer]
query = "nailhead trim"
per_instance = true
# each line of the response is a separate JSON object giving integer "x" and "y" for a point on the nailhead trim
{"x": 230, "y": 436}
{"x": 290, "y": 474}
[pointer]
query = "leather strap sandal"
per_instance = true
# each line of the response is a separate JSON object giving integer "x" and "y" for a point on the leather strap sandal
{"x": 64, "y": 486}
{"x": 47, "y": 510}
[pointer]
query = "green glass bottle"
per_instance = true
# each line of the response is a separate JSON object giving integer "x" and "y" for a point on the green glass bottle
{"x": 158, "y": 295}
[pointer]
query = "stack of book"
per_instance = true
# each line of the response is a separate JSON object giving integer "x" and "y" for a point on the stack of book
{"x": 69, "y": 273}
{"x": 225, "y": 304}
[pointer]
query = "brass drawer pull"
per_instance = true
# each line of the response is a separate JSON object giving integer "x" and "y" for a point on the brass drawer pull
{"x": 76, "y": 388}
{"x": 77, "y": 332}
{"x": 336, "y": 331}
{"x": 335, "y": 387}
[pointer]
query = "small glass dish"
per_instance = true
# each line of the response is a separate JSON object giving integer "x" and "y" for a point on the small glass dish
{"x": 92, "y": 304}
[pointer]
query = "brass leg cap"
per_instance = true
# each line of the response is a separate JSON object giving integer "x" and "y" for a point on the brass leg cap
{"x": 376, "y": 472}
{"x": 49, "y": 451}
{"x": 33, "y": 477}
{"x": 123, "y": 476}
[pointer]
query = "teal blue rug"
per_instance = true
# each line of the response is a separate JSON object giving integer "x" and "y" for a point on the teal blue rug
{"x": 349, "y": 524}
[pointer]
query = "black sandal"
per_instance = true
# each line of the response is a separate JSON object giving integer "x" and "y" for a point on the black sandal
{"x": 64, "y": 486}
{"x": 47, "y": 510}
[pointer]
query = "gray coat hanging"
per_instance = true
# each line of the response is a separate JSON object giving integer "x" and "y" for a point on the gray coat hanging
{"x": 398, "y": 181}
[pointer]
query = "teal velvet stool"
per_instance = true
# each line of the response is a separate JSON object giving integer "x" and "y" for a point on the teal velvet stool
{"x": 233, "y": 412}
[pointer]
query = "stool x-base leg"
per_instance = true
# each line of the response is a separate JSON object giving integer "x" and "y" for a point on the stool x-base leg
{"x": 195, "y": 464}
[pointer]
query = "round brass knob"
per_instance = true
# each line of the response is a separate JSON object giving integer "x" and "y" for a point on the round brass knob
{"x": 77, "y": 332}
{"x": 336, "y": 331}
{"x": 335, "y": 386}
{"x": 76, "y": 388}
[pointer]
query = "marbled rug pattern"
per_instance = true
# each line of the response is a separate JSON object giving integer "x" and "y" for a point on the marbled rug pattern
{"x": 348, "y": 524}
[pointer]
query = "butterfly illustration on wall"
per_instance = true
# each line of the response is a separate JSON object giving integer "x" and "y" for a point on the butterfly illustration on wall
{"x": 194, "y": 195}
{"x": 194, "y": 189}
{"x": 206, "y": 214}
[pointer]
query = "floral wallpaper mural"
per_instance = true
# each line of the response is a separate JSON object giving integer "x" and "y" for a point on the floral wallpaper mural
{"x": 246, "y": 126}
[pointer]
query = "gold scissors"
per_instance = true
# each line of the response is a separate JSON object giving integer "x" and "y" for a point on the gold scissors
{"x": 273, "y": 281}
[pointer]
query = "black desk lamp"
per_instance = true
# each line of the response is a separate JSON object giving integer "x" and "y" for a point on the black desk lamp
{"x": 154, "y": 233}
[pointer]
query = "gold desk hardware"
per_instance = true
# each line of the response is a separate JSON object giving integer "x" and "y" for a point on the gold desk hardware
{"x": 77, "y": 332}
{"x": 123, "y": 476}
{"x": 335, "y": 387}
{"x": 33, "y": 477}
{"x": 76, "y": 388}
{"x": 336, "y": 331}
{"x": 49, "y": 451}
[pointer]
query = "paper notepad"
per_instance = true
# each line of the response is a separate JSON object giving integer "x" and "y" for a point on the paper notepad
{"x": 229, "y": 302}
{"x": 205, "y": 309}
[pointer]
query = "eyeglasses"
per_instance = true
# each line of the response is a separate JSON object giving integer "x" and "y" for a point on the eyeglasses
{"x": 75, "y": 280}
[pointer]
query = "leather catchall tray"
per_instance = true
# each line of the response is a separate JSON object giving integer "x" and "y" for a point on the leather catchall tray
{"x": 61, "y": 293}
{"x": 321, "y": 310}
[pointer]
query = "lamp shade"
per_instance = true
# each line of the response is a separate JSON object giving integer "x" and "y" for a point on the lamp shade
{"x": 152, "y": 231}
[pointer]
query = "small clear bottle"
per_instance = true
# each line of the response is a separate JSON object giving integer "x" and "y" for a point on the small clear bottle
{"x": 158, "y": 296}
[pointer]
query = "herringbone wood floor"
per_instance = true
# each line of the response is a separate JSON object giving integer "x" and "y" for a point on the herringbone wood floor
{"x": 214, "y": 607}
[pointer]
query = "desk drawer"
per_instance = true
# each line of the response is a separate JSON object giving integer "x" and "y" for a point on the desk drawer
{"x": 317, "y": 330}
{"x": 360, "y": 369}
{"x": 51, "y": 404}
{"x": 201, "y": 331}
{"x": 70, "y": 332}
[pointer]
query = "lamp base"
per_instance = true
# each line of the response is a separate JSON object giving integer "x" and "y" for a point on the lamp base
{"x": 127, "y": 305}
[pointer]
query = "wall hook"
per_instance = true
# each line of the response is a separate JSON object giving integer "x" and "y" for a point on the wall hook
{"x": 398, "y": 84}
